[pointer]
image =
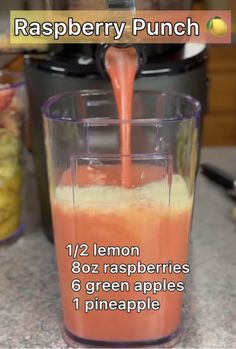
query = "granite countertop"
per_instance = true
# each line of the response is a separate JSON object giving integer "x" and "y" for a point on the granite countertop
{"x": 30, "y": 312}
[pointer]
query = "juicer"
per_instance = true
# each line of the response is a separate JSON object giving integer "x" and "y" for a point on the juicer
{"x": 165, "y": 67}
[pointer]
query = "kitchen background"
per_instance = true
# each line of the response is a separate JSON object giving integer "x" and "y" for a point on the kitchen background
{"x": 29, "y": 293}
{"x": 220, "y": 120}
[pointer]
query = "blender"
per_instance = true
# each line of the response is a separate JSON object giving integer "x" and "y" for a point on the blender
{"x": 166, "y": 67}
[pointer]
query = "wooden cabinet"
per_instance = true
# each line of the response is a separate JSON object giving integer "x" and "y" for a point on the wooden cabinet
{"x": 220, "y": 122}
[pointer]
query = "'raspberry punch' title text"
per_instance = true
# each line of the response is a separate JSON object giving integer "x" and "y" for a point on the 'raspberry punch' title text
{"x": 105, "y": 29}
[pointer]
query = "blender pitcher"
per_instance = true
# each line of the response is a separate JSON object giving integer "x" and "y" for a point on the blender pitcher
{"x": 122, "y": 252}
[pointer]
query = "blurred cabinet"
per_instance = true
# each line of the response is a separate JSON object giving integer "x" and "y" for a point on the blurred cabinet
{"x": 220, "y": 122}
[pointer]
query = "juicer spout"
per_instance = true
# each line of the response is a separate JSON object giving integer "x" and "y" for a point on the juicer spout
{"x": 121, "y": 4}
{"x": 101, "y": 53}
{"x": 126, "y": 5}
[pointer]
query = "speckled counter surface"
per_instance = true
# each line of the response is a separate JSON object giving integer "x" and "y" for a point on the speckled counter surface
{"x": 30, "y": 313}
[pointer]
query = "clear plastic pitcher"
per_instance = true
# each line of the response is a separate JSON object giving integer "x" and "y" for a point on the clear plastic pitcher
{"x": 122, "y": 251}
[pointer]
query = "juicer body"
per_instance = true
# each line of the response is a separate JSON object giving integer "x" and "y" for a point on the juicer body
{"x": 126, "y": 4}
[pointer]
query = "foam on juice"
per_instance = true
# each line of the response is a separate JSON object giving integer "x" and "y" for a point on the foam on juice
{"x": 155, "y": 193}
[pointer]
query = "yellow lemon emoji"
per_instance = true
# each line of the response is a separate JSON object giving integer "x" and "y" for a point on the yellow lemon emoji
{"x": 217, "y": 26}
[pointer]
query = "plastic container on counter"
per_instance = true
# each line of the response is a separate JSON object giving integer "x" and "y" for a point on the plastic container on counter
{"x": 13, "y": 107}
